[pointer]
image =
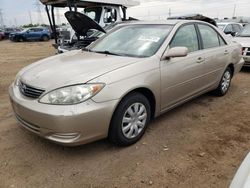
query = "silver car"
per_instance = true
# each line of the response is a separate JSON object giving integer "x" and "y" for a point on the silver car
{"x": 123, "y": 80}
{"x": 244, "y": 39}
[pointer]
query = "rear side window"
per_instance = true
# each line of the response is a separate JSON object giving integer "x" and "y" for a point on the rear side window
{"x": 237, "y": 28}
{"x": 229, "y": 28}
{"x": 209, "y": 36}
{"x": 186, "y": 36}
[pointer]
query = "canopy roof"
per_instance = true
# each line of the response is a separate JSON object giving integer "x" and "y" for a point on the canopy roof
{"x": 87, "y": 3}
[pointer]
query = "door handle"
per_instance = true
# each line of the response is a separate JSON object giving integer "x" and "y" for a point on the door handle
{"x": 226, "y": 52}
{"x": 200, "y": 60}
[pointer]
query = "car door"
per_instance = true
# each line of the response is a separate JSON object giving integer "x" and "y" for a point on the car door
{"x": 37, "y": 33}
{"x": 216, "y": 53}
{"x": 183, "y": 77}
{"x": 30, "y": 34}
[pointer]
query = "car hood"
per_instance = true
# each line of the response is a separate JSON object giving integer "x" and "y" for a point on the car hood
{"x": 82, "y": 23}
{"x": 244, "y": 41}
{"x": 70, "y": 68}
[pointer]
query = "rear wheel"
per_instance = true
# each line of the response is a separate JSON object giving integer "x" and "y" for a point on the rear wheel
{"x": 225, "y": 83}
{"x": 130, "y": 120}
{"x": 45, "y": 38}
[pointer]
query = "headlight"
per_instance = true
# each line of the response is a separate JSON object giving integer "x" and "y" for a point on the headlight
{"x": 17, "y": 81}
{"x": 71, "y": 94}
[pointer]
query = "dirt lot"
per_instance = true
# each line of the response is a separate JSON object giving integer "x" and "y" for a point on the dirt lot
{"x": 199, "y": 144}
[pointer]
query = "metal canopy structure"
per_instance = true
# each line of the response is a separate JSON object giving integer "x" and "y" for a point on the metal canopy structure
{"x": 87, "y": 3}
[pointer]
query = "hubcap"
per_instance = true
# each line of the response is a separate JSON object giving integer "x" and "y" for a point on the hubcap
{"x": 134, "y": 120}
{"x": 226, "y": 81}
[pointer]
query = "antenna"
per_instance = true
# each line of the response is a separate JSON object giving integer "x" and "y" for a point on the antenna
{"x": 1, "y": 18}
{"x": 39, "y": 12}
{"x": 234, "y": 11}
{"x": 30, "y": 17}
{"x": 169, "y": 12}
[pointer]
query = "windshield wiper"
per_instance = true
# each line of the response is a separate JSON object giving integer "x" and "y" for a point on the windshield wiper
{"x": 86, "y": 49}
{"x": 107, "y": 53}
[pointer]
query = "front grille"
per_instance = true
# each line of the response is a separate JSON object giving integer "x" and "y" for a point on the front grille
{"x": 30, "y": 91}
{"x": 246, "y": 51}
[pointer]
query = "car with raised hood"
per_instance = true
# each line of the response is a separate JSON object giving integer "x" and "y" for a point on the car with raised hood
{"x": 243, "y": 38}
{"x": 86, "y": 31}
{"x": 115, "y": 86}
{"x": 103, "y": 12}
{"x": 29, "y": 34}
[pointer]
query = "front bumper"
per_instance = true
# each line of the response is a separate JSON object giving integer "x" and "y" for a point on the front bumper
{"x": 247, "y": 61}
{"x": 67, "y": 125}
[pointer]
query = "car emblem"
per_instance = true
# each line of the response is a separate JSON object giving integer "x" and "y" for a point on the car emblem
{"x": 24, "y": 88}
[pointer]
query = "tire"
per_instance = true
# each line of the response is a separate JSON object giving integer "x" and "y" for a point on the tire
{"x": 127, "y": 126}
{"x": 20, "y": 39}
{"x": 45, "y": 38}
{"x": 225, "y": 83}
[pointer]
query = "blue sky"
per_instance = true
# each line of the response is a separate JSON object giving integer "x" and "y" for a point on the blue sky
{"x": 18, "y": 10}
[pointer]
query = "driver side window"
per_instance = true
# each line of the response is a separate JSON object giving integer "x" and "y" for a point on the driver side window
{"x": 186, "y": 36}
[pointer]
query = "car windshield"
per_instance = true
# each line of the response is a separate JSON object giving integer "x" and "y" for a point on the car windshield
{"x": 221, "y": 26}
{"x": 133, "y": 40}
{"x": 245, "y": 32}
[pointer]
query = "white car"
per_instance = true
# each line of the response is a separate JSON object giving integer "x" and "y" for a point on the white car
{"x": 244, "y": 39}
{"x": 242, "y": 177}
{"x": 230, "y": 28}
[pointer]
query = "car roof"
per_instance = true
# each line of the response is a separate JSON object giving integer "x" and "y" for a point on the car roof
{"x": 226, "y": 23}
{"x": 164, "y": 22}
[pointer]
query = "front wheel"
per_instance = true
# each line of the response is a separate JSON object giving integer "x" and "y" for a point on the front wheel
{"x": 130, "y": 120}
{"x": 225, "y": 83}
{"x": 20, "y": 39}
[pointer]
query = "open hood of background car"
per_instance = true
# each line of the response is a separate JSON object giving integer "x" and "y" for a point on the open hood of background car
{"x": 82, "y": 23}
{"x": 195, "y": 17}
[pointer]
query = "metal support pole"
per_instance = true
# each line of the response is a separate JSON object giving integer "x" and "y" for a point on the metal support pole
{"x": 54, "y": 23}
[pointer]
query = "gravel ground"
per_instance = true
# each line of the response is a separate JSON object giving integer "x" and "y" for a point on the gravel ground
{"x": 199, "y": 144}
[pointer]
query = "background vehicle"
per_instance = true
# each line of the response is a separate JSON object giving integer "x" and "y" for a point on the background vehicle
{"x": 36, "y": 33}
{"x": 243, "y": 38}
{"x": 230, "y": 28}
{"x": 9, "y": 30}
{"x": 1, "y": 34}
{"x": 129, "y": 76}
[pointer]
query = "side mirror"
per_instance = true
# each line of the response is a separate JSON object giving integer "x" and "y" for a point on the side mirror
{"x": 175, "y": 52}
{"x": 230, "y": 33}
